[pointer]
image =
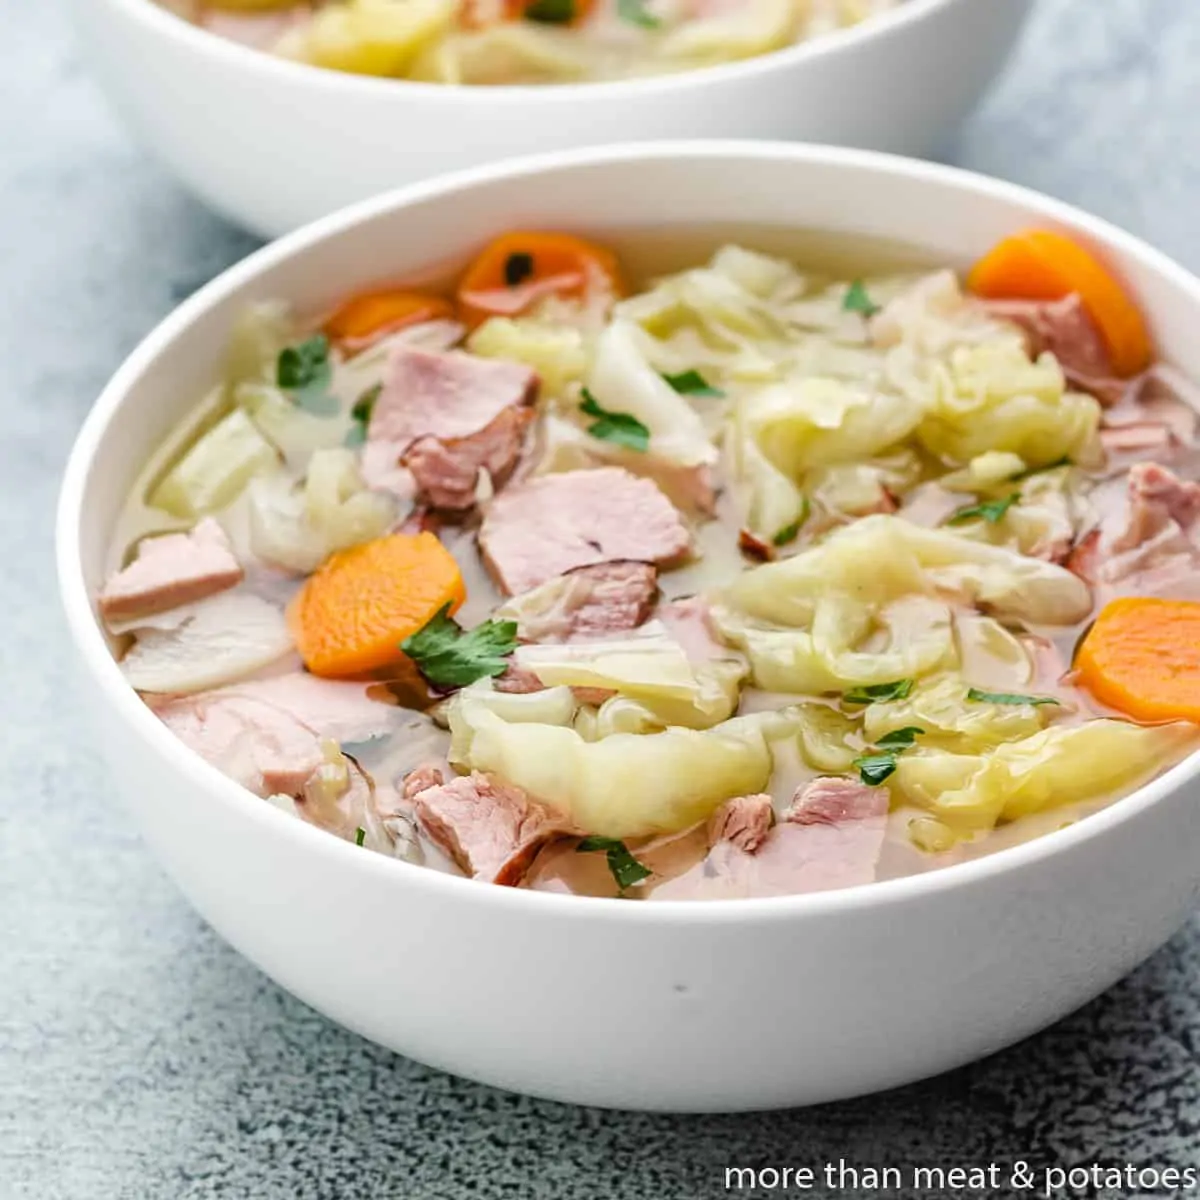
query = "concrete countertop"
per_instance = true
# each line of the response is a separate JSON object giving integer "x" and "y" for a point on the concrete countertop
{"x": 140, "y": 1057}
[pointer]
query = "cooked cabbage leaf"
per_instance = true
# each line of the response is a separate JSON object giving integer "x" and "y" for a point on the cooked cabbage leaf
{"x": 1059, "y": 765}
{"x": 625, "y": 785}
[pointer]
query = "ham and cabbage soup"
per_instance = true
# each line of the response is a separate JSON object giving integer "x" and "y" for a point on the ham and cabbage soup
{"x": 522, "y": 41}
{"x": 738, "y": 580}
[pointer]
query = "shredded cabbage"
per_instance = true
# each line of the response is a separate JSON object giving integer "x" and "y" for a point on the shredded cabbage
{"x": 213, "y": 472}
{"x": 990, "y": 397}
{"x": 648, "y": 665}
{"x": 625, "y": 785}
{"x": 623, "y": 380}
{"x": 369, "y": 37}
{"x": 298, "y": 528}
{"x": 1059, "y": 765}
{"x": 559, "y": 353}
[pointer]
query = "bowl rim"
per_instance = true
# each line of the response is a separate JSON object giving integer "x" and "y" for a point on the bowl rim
{"x": 168, "y": 24}
{"x": 127, "y": 706}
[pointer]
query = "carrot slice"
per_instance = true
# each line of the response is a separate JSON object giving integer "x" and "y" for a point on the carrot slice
{"x": 353, "y": 612}
{"x": 1142, "y": 657}
{"x": 1040, "y": 264}
{"x": 370, "y": 315}
{"x": 518, "y": 269}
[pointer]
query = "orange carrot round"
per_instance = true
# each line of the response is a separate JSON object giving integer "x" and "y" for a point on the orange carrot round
{"x": 368, "y": 316}
{"x": 353, "y": 612}
{"x": 1142, "y": 657}
{"x": 518, "y": 269}
{"x": 1040, "y": 264}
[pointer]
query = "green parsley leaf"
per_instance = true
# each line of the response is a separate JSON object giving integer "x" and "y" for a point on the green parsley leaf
{"x": 634, "y": 12}
{"x": 898, "y": 690}
{"x": 305, "y": 372}
{"x": 517, "y": 268}
{"x": 620, "y": 428}
{"x": 361, "y": 415}
{"x": 857, "y": 300}
{"x": 551, "y": 12}
{"x": 692, "y": 383}
{"x": 360, "y": 835}
{"x": 901, "y": 737}
{"x": 1008, "y": 698}
{"x": 990, "y": 511}
{"x": 450, "y": 656}
{"x": 626, "y": 869}
{"x": 873, "y": 769}
{"x": 788, "y": 532}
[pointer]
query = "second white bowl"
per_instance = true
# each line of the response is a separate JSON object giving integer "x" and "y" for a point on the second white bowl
{"x": 273, "y": 144}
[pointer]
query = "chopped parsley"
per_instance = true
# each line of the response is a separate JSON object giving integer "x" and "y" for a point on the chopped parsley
{"x": 898, "y": 690}
{"x": 875, "y": 767}
{"x": 620, "y": 428}
{"x": 634, "y": 12}
{"x": 692, "y": 383}
{"x": 900, "y": 737}
{"x": 550, "y": 12}
{"x": 1007, "y": 698}
{"x": 788, "y": 533}
{"x": 361, "y": 415}
{"x": 517, "y": 268}
{"x": 305, "y": 373}
{"x": 450, "y": 656}
{"x": 360, "y": 836}
{"x": 990, "y": 511}
{"x": 625, "y": 869}
{"x": 857, "y": 300}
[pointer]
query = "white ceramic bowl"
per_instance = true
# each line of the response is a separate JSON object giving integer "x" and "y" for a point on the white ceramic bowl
{"x": 672, "y": 1005}
{"x": 273, "y": 144}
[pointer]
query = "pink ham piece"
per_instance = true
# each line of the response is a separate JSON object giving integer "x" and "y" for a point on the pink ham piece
{"x": 267, "y": 733}
{"x": 491, "y": 830}
{"x": 169, "y": 571}
{"x": 588, "y": 602}
{"x": 445, "y": 416}
{"x": 743, "y": 822}
{"x": 830, "y": 837}
{"x": 447, "y": 472}
{"x": 1064, "y": 329}
{"x": 552, "y": 524}
{"x": 1153, "y": 543}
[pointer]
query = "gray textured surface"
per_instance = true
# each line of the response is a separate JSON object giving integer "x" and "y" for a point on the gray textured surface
{"x": 141, "y": 1058}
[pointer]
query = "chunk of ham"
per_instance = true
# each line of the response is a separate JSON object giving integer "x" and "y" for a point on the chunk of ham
{"x": 266, "y": 734}
{"x": 743, "y": 822}
{"x": 1152, "y": 542}
{"x": 491, "y": 830}
{"x": 444, "y": 417}
{"x": 588, "y": 602}
{"x": 1156, "y": 419}
{"x": 169, "y": 571}
{"x": 830, "y": 836}
{"x": 552, "y": 524}
{"x": 447, "y": 472}
{"x": 1064, "y": 329}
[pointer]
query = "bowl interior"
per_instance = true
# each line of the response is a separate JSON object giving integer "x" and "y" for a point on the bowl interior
{"x": 167, "y": 24}
{"x": 949, "y": 214}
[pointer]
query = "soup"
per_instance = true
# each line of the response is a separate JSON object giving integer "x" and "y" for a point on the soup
{"x": 523, "y": 41}
{"x": 710, "y": 564}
